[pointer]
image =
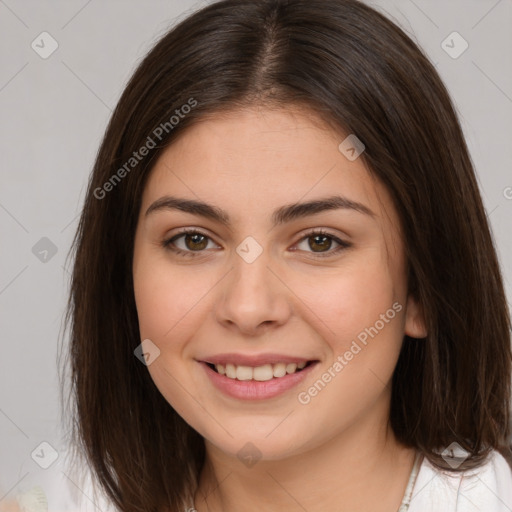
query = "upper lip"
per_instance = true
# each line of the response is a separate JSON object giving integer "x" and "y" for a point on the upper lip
{"x": 253, "y": 360}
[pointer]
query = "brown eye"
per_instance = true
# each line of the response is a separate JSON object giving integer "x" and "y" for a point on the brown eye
{"x": 195, "y": 242}
{"x": 320, "y": 243}
{"x": 188, "y": 243}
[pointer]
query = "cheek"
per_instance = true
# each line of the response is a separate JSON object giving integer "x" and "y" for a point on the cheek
{"x": 164, "y": 295}
{"x": 166, "y": 301}
{"x": 157, "y": 307}
{"x": 369, "y": 323}
{"x": 350, "y": 299}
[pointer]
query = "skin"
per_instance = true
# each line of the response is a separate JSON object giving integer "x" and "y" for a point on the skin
{"x": 298, "y": 297}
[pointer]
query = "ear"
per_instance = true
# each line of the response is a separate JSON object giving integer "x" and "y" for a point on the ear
{"x": 415, "y": 326}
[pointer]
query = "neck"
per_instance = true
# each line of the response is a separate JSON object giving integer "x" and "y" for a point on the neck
{"x": 362, "y": 468}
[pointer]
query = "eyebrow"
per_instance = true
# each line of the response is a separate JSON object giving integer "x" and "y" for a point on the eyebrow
{"x": 282, "y": 215}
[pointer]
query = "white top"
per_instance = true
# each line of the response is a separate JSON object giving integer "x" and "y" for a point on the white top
{"x": 484, "y": 489}
{"x": 487, "y": 488}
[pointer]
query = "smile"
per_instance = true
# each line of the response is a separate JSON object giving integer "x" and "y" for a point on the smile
{"x": 257, "y": 381}
{"x": 259, "y": 373}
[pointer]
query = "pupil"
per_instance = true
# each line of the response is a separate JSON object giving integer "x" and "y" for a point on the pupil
{"x": 323, "y": 239}
{"x": 198, "y": 241}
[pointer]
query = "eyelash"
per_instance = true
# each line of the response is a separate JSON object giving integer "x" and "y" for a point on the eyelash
{"x": 169, "y": 243}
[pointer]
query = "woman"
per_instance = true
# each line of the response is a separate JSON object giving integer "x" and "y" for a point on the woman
{"x": 285, "y": 291}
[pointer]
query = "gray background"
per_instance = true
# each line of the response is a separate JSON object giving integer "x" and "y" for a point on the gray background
{"x": 54, "y": 113}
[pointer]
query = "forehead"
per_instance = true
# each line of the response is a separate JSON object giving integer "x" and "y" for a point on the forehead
{"x": 255, "y": 160}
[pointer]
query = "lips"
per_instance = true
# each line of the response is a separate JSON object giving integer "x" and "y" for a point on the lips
{"x": 261, "y": 367}
{"x": 256, "y": 377}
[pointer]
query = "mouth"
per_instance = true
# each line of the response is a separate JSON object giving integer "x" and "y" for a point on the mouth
{"x": 257, "y": 378}
{"x": 261, "y": 373}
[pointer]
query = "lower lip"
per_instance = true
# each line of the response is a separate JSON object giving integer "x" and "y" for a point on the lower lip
{"x": 253, "y": 389}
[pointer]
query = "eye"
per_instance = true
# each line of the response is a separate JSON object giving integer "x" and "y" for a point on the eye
{"x": 320, "y": 242}
{"x": 191, "y": 243}
{"x": 187, "y": 243}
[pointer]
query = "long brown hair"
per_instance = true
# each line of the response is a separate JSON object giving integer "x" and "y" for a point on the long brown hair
{"x": 362, "y": 75}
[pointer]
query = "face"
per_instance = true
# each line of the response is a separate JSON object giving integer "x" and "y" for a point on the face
{"x": 269, "y": 273}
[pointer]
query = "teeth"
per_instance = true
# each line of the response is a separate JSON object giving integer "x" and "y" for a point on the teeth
{"x": 243, "y": 372}
{"x": 262, "y": 373}
{"x": 291, "y": 367}
{"x": 279, "y": 370}
{"x": 259, "y": 373}
{"x": 231, "y": 371}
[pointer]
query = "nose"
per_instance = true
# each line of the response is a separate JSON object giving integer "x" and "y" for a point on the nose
{"x": 253, "y": 299}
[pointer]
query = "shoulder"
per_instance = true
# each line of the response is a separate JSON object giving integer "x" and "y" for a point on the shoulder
{"x": 487, "y": 488}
